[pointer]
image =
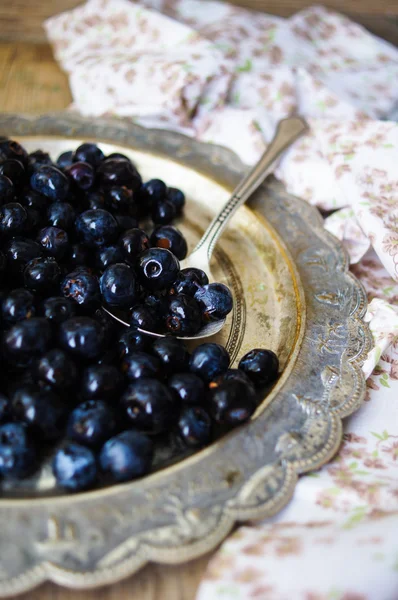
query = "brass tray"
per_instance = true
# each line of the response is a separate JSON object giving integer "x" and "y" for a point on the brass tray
{"x": 293, "y": 293}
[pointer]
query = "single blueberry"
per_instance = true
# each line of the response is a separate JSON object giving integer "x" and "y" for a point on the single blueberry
{"x": 209, "y": 360}
{"x": 89, "y": 153}
{"x": 157, "y": 268}
{"x": 82, "y": 287}
{"x": 172, "y": 353}
{"x": 188, "y": 282}
{"x": 17, "y": 452}
{"x": 184, "y": 316}
{"x": 126, "y": 456}
{"x": 91, "y": 423}
{"x": 31, "y": 199}
{"x": 194, "y": 426}
{"x": 108, "y": 255}
{"x": 13, "y": 219}
{"x": 189, "y": 388}
{"x": 121, "y": 200}
{"x": 101, "y": 381}
{"x": 176, "y": 197}
{"x": 41, "y": 410}
{"x": 79, "y": 255}
{"x": 143, "y": 318}
{"x": 232, "y": 402}
{"x": 57, "y": 369}
{"x": 118, "y": 286}
{"x": 131, "y": 341}
{"x": 15, "y": 171}
{"x": 19, "y": 251}
{"x": 75, "y": 467}
{"x": 27, "y": 340}
{"x": 215, "y": 300}
{"x": 38, "y": 159}
{"x": 140, "y": 364}
{"x": 82, "y": 336}
{"x": 163, "y": 213}
{"x": 12, "y": 149}
{"x": 54, "y": 241}
{"x": 171, "y": 238}
{"x": 50, "y": 182}
{"x": 81, "y": 174}
{"x": 261, "y": 366}
{"x": 62, "y": 215}
{"x": 57, "y": 309}
{"x": 42, "y": 275}
{"x": 96, "y": 227}
{"x": 118, "y": 171}
{"x": 65, "y": 159}
{"x": 133, "y": 242}
{"x": 19, "y": 304}
{"x": 149, "y": 405}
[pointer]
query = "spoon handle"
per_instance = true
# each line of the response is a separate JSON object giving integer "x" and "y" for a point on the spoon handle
{"x": 288, "y": 130}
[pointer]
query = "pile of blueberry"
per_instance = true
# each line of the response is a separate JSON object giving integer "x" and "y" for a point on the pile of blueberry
{"x": 74, "y": 382}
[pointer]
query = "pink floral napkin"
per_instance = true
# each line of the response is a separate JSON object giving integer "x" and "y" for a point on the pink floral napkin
{"x": 227, "y": 75}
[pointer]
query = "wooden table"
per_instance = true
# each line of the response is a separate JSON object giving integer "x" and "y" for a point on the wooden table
{"x": 30, "y": 81}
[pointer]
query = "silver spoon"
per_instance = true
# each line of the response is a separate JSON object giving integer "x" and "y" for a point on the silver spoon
{"x": 287, "y": 132}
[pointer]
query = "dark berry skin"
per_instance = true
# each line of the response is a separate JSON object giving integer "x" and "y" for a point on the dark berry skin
{"x": 14, "y": 170}
{"x": 157, "y": 303}
{"x": 118, "y": 286}
{"x": 121, "y": 199}
{"x": 79, "y": 255}
{"x": 133, "y": 242}
{"x": 5, "y": 408}
{"x": 231, "y": 375}
{"x": 3, "y": 264}
{"x": 176, "y": 197}
{"x": 57, "y": 369}
{"x": 189, "y": 388}
{"x": 82, "y": 287}
{"x": 189, "y": 281}
{"x": 96, "y": 227}
{"x": 54, "y": 241}
{"x": 139, "y": 364}
{"x": 50, "y": 182}
{"x": 17, "y": 453}
{"x": 117, "y": 171}
{"x": 42, "y": 275}
{"x": 101, "y": 381}
{"x": 18, "y": 305}
{"x": 83, "y": 337}
{"x": 95, "y": 199}
{"x": 38, "y": 159}
{"x": 32, "y": 199}
{"x": 172, "y": 353}
{"x": 81, "y": 174}
{"x": 91, "y": 423}
{"x": 163, "y": 213}
{"x": 154, "y": 191}
{"x": 126, "y": 456}
{"x": 126, "y": 222}
{"x": 143, "y": 318}
{"x": 261, "y": 366}
{"x": 215, "y": 300}
{"x": 184, "y": 317}
{"x": 89, "y": 153}
{"x": 171, "y": 238}
{"x": 75, "y": 467}
{"x": 35, "y": 221}
{"x": 232, "y": 402}
{"x": 194, "y": 426}
{"x": 19, "y": 251}
{"x": 13, "y": 219}
{"x": 27, "y": 340}
{"x": 65, "y": 159}
{"x": 209, "y": 360}
{"x": 62, "y": 215}
{"x": 132, "y": 341}
{"x": 7, "y": 190}
{"x": 41, "y": 410}
{"x": 12, "y": 149}
{"x": 149, "y": 405}
{"x": 108, "y": 255}
{"x": 157, "y": 268}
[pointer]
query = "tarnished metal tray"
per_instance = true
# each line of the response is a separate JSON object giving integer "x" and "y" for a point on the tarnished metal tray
{"x": 293, "y": 293}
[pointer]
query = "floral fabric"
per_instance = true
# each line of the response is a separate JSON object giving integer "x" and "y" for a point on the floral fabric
{"x": 226, "y": 75}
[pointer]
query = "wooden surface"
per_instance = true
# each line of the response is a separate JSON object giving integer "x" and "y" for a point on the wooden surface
{"x": 30, "y": 81}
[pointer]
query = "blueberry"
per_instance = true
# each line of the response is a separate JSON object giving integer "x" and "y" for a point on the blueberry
{"x": 118, "y": 155}
{"x": 176, "y": 197}
{"x": 13, "y": 219}
{"x": 96, "y": 227}
{"x": 231, "y": 375}
{"x": 7, "y": 190}
{"x": 133, "y": 242}
{"x": 215, "y": 300}
{"x": 89, "y": 153}
{"x": 163, "y": 213}
{"x": 19, "y": 251}
{"x": 189, "y": 281}
{"x": 158, "y": 304}
{"x": 75, "y": 467}
{"x": 157, "y": 268}
{"x": 57, "y": 369}
{"x": 65, "y": 159}
{"x": 171, "y": 238}
{"x": 50, "y": 182}
{"x": 101, "y": 381}
{"x": 54, "y": 241}
{"x": 42, "y": 275}
{"x": 41, "y": 410}
{"x": 149, "y": 405}
{"x": 81, "y": 174}
{"x": 38, "y": 159}
{"x": 126, "y": 222}
{"x": 110, "y": 326}
{"x": 18, "y": 305}
{"x": 82, "y": 287}
{"x": 140, "y": 364}
{"x": 12, "y": 149}
{"x": 189, "y": 388}
{"x": 121, "y": 199}
{"x": 132, "y": 341}
{"x": 154, "y": 191}
{"x": 82, "y": 336}
{"x": 194, "y": 426}
{"x": 35, "y": 220}
{"x": 126, "y": 456}
{"x": 17, "y": 453}
{"x": 172, "y": 353}
{"x": 261, "y": 366}
{"x": 27, "y": 340}
{"x": 79, "y": 255}
{"x": 62, "y": 215}
{"x": 91, "y": 423}
{"x": 15, "y": 171}
{"x": 118, "y": 171}
{"x": 232, "y": 402}
{"x": 5, "y": 408}
{"x": 32, "y": 199}
{"x": 195, "y": 274}
{"x": 209, "y": 360}
{"x": 96, "y": 199}
{"x": 184, "y": 316}
{"x": 118, "y": 286}
{"x": 143, "y": 318}
{"x": 108, "y": 255}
